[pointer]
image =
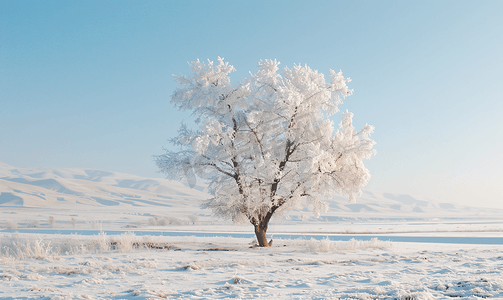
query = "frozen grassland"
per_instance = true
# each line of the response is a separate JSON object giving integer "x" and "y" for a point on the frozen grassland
{"x": 51, "y": 246}
{"x": 133, "y": 267}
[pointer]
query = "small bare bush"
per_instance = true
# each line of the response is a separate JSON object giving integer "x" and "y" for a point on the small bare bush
{"x": 52, "y": 221}
{"x": 73, "y": 222}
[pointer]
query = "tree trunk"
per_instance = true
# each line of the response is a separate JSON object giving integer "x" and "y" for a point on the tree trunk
{"x": 260, "y": 233}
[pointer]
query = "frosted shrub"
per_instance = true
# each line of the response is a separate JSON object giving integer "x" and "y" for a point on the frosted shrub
{"x": 12, "y": 224}
{"x": 147, "y": 240}
{"x": 174, "y": 221}
{"x": 323, "y": 245}
{"x": 24, "y": 249}
{"x": 52, "y": 221}
{"x": 124, "y": 242}
{"x": 35, "y": 223}
{"x": 312, "y": 245}
{"x": 14, "y": 248}
{"x": 162, "y": 221}
{"x": 99, "y": 243}
{"x": 103, "y": 243}
{"x": 326, "y": 245}
{"x": 193, "y": 218}
{"x": 158, "y": 221}
{"x": 73, "y": 222}
{"x": 152, "y": 221}
{"x": 39, "y": 249}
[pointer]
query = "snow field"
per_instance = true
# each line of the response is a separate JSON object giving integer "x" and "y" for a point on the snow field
{"x": 128, "y": 267}
{"x": 40, "y": 262}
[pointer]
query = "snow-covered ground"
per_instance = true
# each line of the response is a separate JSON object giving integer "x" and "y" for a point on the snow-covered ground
{"x": 79, "y": 233}
{"x": 217, "y": 268}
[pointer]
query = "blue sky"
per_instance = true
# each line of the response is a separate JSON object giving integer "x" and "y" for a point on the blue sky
{"x": 88, "y": 83}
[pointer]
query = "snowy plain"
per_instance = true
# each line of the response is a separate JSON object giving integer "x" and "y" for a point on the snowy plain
{"x": 88, "y": 234}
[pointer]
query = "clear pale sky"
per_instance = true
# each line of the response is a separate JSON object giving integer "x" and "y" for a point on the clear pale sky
{"x": 88, "y": 83}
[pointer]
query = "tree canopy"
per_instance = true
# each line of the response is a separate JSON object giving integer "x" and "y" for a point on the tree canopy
{"x": 266, "y": 145}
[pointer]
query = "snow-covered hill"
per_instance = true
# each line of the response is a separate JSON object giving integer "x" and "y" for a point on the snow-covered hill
{"x": 48, "y": 187}
{"x": 33, "y": 193}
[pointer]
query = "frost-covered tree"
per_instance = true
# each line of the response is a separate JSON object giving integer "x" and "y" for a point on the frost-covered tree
{"x": 266, "y": 144}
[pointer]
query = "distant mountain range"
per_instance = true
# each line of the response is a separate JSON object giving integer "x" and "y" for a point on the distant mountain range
{"x": 80, "y": 189}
